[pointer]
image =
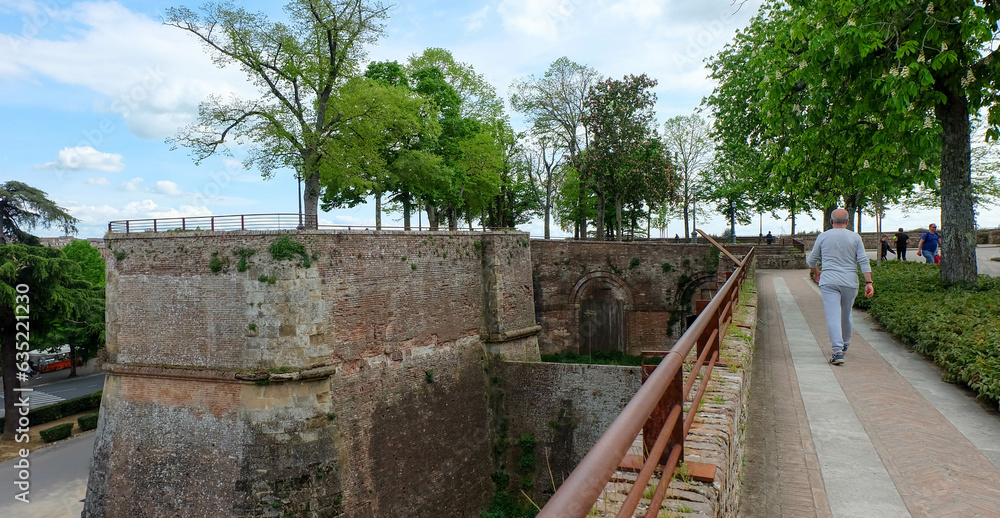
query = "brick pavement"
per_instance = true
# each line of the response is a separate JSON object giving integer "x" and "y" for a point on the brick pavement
{"x": 932, "y": 465}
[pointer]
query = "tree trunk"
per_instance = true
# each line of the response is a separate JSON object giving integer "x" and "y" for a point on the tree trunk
{"x": 72, "y": 358}
{"x": 687, "y": 229}
{"x": 432, "y": 216}
{"x": 8, "y": 355}
{"x": 601, "y": 207}
{"x": 548, "y": 215}
{"x": 378, "y": 211}
{"x": 407, "y": 204}
{"x": 793, "y": 224}
{"x": 851, "y": 206}
{"x": 310, "y": 198}
{"x": 618, "y": 219}
{"x": 958, "y": 223}
{"x": 732, "y": 221}
{"x": 827, "y": 214}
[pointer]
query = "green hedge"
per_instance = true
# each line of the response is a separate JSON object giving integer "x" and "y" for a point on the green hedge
{"x": 600, "y": 358}
{"x": 62, "y": 409}
{"x": 957, "y": 326}
{"x": 57, "y": 432}
{"x": 87, "y": 422}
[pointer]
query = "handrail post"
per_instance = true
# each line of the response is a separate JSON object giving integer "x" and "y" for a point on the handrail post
{"x": 126, "y": 226}
{"x": 183, "y": 223}
{"x": 674, "y": 395}
{"x": 706, "y": 334}
{"x": 154, "y": 225}
{"x": 242, "y": 222}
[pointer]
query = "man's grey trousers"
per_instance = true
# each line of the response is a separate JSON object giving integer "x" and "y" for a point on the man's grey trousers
{"x": 837, "y": 302}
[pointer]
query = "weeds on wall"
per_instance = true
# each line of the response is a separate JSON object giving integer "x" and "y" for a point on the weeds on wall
{"x": 286, "y": 249}
{"x": 244, "y": 254}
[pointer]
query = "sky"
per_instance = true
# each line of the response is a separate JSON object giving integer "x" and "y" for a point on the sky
{"x": 89, "y": 91}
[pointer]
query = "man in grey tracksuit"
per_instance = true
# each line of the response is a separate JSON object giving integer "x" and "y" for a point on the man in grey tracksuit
{"x": 841, "y": 252}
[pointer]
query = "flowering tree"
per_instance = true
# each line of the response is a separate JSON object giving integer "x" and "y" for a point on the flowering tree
{"x": 904, "y": 78}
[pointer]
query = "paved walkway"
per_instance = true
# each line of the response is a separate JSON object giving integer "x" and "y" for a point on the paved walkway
{"x": 879, "y": 436}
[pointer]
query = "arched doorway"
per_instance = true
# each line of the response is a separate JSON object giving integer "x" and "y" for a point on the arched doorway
{"x": 602, "y": 301}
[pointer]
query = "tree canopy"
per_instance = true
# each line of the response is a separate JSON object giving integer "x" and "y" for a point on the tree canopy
{"x": 860, "y": 100}
{"x": 40, "y": 290}
{"x": 300, "y": 68}
{"x": 24, "y": 207}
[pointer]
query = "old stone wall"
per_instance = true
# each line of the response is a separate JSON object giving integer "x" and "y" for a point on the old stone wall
{"x": 657, "y": 282}
{"x": 347, "y": 378}
{"x": 565, "y": 408}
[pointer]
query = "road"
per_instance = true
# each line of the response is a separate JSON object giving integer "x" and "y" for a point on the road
{"x": 58, "y": 480}
{"x": 56, "y": 387}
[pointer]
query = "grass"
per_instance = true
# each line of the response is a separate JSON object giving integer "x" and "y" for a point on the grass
{"x": 9, "y": 449}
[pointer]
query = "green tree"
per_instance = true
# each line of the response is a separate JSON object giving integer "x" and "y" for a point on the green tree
{"x": 688, "y": 141}
{"x": 543, "y": 162}
{"x": 554, "y": 106}
{"x": 803, "y": 138}
{"x": 85, "y": 333}
{"x": 620, "y": 119}
{"x": 914, "y": 72}
{"x": 470, "y": 145}
{"x": 39, "y": 288}
{"x": 381, "y": 122}
{"x": 25, "y": 207}
{"x": 299, "y": 67}
{"x": 518, "y": 199}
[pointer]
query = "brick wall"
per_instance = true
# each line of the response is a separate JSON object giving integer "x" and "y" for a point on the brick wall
{"x": 352, "y": 385}
{"x": 653, "y": 278}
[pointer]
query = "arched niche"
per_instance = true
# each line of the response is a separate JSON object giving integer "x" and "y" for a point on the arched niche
{"x": 601, "y": 302}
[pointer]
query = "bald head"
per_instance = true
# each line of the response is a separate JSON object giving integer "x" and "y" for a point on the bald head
{"x": 839, "y": 218}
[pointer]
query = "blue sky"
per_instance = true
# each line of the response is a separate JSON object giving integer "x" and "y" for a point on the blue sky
{"x": 90, "y": 90}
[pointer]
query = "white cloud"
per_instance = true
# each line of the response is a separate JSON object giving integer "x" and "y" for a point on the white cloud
{"x": 98, "y": 181}
{"x": 540, "y": 18}
{"x": 138, "y": 209}
{"x": 167, "y": 187}
{"x": 185, "y": 211}
{"x": 85, "y": 157}
{"x": 476, "y": 19}
{"x": 152, "y": 75}
{"x": 133, "y": 185}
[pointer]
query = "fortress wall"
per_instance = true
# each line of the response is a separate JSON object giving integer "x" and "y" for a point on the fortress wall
{"x": 354, "y": 384}
{"x": 655, "y": 273}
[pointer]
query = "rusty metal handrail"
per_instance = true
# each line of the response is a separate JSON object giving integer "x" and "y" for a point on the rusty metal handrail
{"x": 276, "y": 221}
{"x": 578, "y": 493}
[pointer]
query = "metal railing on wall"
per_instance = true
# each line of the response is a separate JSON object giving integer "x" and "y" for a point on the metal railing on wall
{"x": 656, "y": 409}
{"x": 261, "y": 222}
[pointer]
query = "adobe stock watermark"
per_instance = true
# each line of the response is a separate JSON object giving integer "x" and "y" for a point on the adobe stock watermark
{"x": 708, "y": 35}
{"x": 32, "y": 23}
{"x": 218, "y": 182}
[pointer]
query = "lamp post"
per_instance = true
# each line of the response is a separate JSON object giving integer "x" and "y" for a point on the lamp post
{"x": 298, "y": 179}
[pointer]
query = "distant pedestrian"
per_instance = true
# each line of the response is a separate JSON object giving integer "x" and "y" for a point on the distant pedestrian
{"x": 928, "y": 245}
{"x": 901, "y": 239}
{"x": 841, "y": 252}
{"x": 886, "y": 249}
{"x": 769, "y": 238}
{"x": 677, "y": 238}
